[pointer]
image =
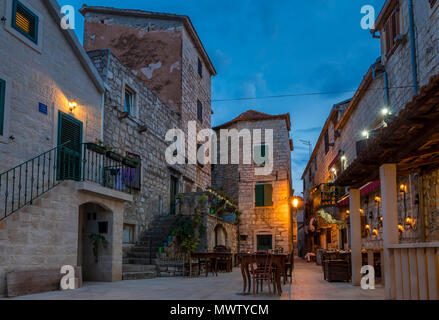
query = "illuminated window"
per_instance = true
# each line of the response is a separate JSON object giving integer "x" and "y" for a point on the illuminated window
{"x": 24, "y": 21}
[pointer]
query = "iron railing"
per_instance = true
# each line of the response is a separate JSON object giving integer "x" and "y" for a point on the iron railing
{"x": 23, "y": 184}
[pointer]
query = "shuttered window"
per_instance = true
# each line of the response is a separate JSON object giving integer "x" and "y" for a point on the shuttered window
{"x": 263, "y": 195}
{"x": 2, "y": 105}
{"x": 25, "y": 21}
{"x": 199, "y": 111}
{"x": 200, "y": 68}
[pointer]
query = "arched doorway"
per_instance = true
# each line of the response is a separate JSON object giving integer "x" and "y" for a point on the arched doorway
{"x": 95, "y": 240}
{"x": 220, "y": 236}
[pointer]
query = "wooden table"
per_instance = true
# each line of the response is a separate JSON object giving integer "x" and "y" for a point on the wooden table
{"x": 210, "y": 255}
{"x": 278, "y": 267}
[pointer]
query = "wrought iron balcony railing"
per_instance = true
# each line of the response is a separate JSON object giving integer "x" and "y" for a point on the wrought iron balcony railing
{"x": 23, "y": 184}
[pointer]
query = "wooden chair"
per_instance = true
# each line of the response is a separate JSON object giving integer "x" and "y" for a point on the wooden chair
{"x": 261, "y": 272}
{"x": 225, "y": 263}
{"x": 210, "y": 265}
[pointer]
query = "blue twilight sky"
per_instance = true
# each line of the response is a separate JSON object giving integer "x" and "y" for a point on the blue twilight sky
{"x": 278, "y": 47}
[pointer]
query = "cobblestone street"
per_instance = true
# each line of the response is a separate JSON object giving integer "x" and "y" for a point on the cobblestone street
{"x": 308, "y": 284}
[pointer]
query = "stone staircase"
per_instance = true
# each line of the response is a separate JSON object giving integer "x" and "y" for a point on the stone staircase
{"x": 142, "y": 262}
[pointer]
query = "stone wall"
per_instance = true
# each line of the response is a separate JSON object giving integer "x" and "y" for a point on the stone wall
{"x": 54, "y": 76}
{"x": 239, "y": 182}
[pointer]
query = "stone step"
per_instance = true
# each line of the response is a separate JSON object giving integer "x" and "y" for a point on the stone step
{"x": 141, "y": 261}
{"x": 139, "y": 275}
{"x": 138, "y": 268}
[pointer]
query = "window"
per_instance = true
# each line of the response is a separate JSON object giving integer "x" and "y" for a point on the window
{"x": 24, "y": 21}
{"x": 326, "y": 141}
{"x": 264, "y": 242}
{"x": 263, "y": 195}
{"x": 391, "y": 30}
{"x": 129, "y": 101}
{"x": 200, "y": 68}
{"x": 315, "y": 163}
{"x": 261, "y": 155}
{"x": 199, "y": 111}
{"x": 128, "y": 233}
{"x": 2, "y": 105}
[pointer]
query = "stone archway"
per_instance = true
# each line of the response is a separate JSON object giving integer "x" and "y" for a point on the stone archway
{"x": 220, "y": 236}
{"x": 95, "y": 223}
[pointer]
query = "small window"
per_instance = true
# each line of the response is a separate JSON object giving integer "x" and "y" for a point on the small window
{"x": 200, "y": 68}
{"x": 25, "y": 21}
{"x": 263, "y": 195}
{"x": 264, "y": 242}
{"x": 129, "y": 101}
{"x": 128, "y": 233}
{"x": 315, "y": 163}
{"x": 261, "y": 155}
{"x": 392, "y": 30}
{"x": 243, "y": 237}
{"x": 199, "y": 111}
{"x": 136, "y": 173}
{"x": 2, "y": 105}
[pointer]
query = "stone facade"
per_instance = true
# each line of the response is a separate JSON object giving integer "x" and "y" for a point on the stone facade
{"x": 142, "y": 133}
{"x": 164, "y": 51}
{"x": 240, "y": 180}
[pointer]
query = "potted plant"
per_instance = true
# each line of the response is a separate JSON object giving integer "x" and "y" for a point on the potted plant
{"x": 130, "y": 162}
{"x": 97, "y": 240}
{"x": 114, "y": 156}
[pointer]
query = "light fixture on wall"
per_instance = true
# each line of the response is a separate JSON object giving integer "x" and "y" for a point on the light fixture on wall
{"x": 72, "y": 105}
{"x": 401, "y": 228}
{"x": 403, "y": 188}
{"x": 386, "y": 111}
{"x": 375, "y": 232}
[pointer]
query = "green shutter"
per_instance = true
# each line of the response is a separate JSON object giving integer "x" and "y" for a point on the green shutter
{"x": 2, "y": 104}
{"x": 268, "y": 195}
{"x": 259, "y": 195}
{"x": 25, "y": 21}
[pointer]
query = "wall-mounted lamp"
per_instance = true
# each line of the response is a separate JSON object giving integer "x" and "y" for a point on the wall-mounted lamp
{"x": 295, "y": 203}
{"x": 375, "y": 232}
{"x": 361, "y": 211}
{"x": 403, "y": 188}
{"x": 367, "y": 227}
{"x": 386, "y": 111}
{"x": 401, "y": 228}
{"x": 72, "y": 105}
{"x": 377, "y": 199}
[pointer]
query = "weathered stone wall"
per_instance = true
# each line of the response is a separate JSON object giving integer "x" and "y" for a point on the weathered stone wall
{"x": 46, "y": 235}
{"x": 151, "y": 48}
{"x": 53, "y": 77}
{"x": 239, "y": 182}
{"x": 123, "y": 135}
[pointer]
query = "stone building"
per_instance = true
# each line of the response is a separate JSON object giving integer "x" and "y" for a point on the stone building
{"x": 165, "y": 52}
{"x": 378, "y": 172}
{"x": 264, "y": 200}
{"x": 54, "y": 195}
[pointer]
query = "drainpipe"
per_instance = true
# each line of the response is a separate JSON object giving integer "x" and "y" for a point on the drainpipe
{"x": 413, "y": 47}
{"x": 386, "y": 81}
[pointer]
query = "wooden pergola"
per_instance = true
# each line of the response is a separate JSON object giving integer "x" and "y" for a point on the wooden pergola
{"x": 409, "y": 144}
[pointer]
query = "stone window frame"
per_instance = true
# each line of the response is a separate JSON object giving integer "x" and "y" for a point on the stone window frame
{"x": 135, "y": 105}
{"x": 37, "y": 46}
{"x": 4, "y": 137}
